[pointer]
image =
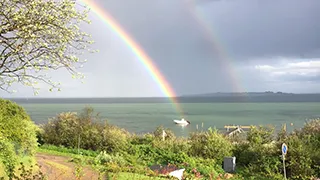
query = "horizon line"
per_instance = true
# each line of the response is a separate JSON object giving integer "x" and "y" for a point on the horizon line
{"x": 126, "y": 97}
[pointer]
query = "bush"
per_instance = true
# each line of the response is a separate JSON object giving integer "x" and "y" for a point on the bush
{"x": 17, "y": 134}
{"x": 260, "y": 135}
{"x": 298, "y": 159}
{"x": 84, "y": 131}
{"x": 259, "y": 154}
{"x": 114, "y": 139}
{"x": 158, "y": 133}
{"x": 303, "y": 158}
{"x": 210, "y": 144}
{"x": 104, "y": 158}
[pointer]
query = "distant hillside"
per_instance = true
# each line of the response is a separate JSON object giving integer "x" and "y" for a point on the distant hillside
{"x": 198, "y": 98}
{"x": 267, "y": 96}
{"x": 219, "y": 94}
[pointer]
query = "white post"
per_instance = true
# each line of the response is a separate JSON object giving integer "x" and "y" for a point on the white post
{"x": 284, "y": 166}
{"x": 163, "y": 135}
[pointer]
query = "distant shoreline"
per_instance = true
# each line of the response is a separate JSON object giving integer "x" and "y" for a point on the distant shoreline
{"x": 208, "y": 98}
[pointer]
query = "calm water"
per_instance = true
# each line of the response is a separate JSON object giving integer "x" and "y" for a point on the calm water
{"x": 145, "y": 117}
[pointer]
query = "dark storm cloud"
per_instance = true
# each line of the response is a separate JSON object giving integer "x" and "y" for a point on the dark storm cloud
{"x": 251, "y": 30}
{"x": 268, "y": 28}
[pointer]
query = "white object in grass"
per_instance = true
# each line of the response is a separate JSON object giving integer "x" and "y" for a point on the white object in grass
{"x": 177, "y": 173}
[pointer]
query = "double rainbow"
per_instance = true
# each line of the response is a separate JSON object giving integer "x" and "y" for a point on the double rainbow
{"x": 217, "y": 45}
{"x": 143, "y": 58}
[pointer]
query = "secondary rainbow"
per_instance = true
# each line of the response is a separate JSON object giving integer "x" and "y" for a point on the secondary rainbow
{"x": 217, "y": 45}
{"x": 144, "y": 59}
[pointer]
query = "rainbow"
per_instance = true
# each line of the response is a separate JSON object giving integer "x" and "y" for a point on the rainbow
{"x": 217, "y": 46}
{"x": 143, "y": 58}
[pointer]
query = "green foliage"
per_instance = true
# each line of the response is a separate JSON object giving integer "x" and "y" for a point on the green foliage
{"x": 8, "y": 156}
{"x": 114, "y": 139}
{"x": 260, "y": 135}
{"x": 303, "y": 153}
{"x": 50, "y": 148}
{"x": 263, "y": 160}
{"x": 298, "y": 159}
{"x": 17, "y": 134}
{"x": 210, "y": 144}
{"x": 86, "y": 131}
{"x": 104, "y": 158}
{"x": 258, "y": 156}
{"x": 28, "y": 173}
{"x": 158, "y": 133}
{"x": 38, "y": 35}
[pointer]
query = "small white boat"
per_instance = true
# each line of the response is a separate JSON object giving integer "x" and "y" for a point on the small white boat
{"x": 182, "y": 122}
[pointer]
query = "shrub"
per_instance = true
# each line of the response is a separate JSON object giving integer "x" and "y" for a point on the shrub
{"x": 62, "y": 130}
{"x": 260, "y": 135}
{"x": 7, "y": 156}
{"x": 114, "y": 139}
{"x": 17, "y": 134}
{"x": 210, "y": 144}
{"x": 303, "y": 158}
{"x": 104, "y": 158}
{"x": 158, "y": 133}
{"x": 141, "y": 139}
{"x": 263, "y": 160}
{"x": 298, "y": 159}
{"x": 84, "y": 131}
{"x": 259, "y": 154}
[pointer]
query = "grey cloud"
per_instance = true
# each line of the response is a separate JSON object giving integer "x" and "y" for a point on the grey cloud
{"x": 251, "y": 32}
{"x": 248, "y": 28}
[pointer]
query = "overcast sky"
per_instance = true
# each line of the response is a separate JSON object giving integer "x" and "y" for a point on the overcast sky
{"x": 201, "y": 46}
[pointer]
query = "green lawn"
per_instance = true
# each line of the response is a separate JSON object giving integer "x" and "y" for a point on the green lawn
{"x": 131, "y": 176}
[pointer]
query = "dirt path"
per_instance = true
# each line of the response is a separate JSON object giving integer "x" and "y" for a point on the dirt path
{"x": 59, "y": 167}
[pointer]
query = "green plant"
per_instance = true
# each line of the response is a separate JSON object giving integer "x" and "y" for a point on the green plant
{"x": 79, "y": 163}
{"x": 260, "y": 135}
{"x": 84, "y": 131}
{"x": 158, "y": 133}
{"x": 29, "y": 173}
{"x": 17, "y": 134}
{"x": 105, "y": 158}
{"x": 210, "y": 144}
{"x": 114, "y": 139}
{"x": 259, "y": 154}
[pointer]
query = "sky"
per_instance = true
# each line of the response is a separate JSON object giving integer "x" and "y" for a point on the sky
{"x": 200, "y": 46}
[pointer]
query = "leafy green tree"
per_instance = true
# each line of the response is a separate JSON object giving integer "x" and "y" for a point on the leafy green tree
{"x": 17, "y": 134}
{"x": 37, "y": 36}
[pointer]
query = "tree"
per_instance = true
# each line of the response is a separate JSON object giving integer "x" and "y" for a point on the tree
{"x": 37, "y": 36}
{"x": 17, "y": 135}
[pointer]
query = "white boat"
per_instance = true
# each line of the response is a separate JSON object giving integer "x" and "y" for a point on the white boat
{"x": 181, "y": 122}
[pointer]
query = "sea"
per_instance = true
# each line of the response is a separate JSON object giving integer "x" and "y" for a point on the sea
{"x": 143, "y": 115}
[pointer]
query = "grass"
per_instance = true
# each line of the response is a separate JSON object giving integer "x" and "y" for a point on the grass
{"x": 61, "y": 151}
{"x": 132, "y": 176}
